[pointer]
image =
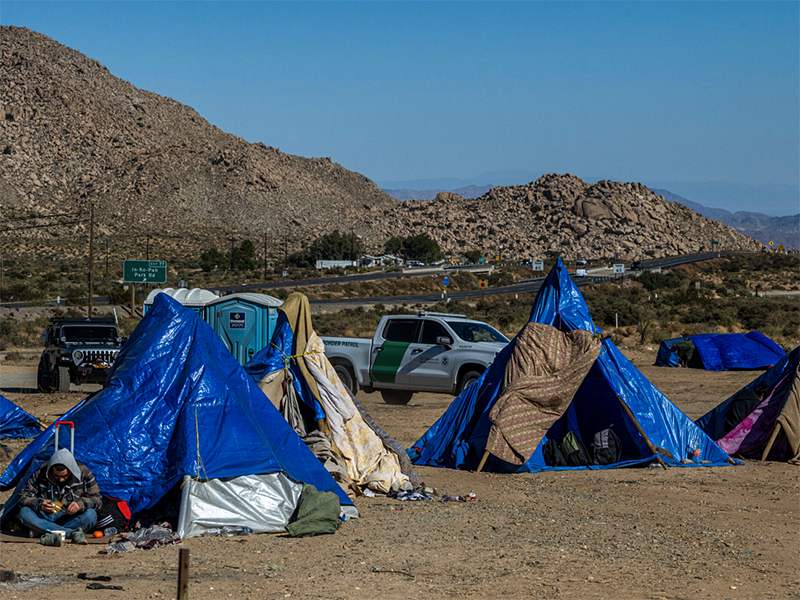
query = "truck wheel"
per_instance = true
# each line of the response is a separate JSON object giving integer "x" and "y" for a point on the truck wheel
{"x": 468, "y": 378}
{"x": 62, "y": 380}
{"x": 347, "y": 377}
{"x": 42, "y": 380}
{"x": 396, "y": 396}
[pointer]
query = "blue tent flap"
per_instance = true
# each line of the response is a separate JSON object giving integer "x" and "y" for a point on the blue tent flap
{"x": 15, "y": 422}
{"x": 614, "y": 394}
{"x": 177, "y": 403}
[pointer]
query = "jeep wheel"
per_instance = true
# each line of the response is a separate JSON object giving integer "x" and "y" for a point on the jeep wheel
{"x": 396, "y": 396}
{"x": 347, "y": 377}
{"x": 467, "y": 379}
{"x": 62, "y": 380}
{"x": 43, "y": 383}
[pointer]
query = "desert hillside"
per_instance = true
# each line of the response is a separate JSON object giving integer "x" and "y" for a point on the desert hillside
{"x": 75, "y": 135}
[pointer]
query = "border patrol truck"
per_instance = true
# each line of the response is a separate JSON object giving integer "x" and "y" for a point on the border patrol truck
{"x": 427, "y": 352}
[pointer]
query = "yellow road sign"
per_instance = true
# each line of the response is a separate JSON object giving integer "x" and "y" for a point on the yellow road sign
{"x": 483, "y": 283}
{"x": 771, "y": 242}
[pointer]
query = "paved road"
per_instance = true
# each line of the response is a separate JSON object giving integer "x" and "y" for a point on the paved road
{"x": 527, "y": 287}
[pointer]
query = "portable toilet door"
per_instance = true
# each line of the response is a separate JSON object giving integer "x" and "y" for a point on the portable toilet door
{"x": 244, "y": 322}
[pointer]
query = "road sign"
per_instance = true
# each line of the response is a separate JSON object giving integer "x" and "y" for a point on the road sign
{"x": 714, "y": 242}
{"x": 446, "y": 281}
{"x": 771, "y": 243}
{"x": 619, "y": 269}
{"x": 781, "y": 248}
{"x": 483, "y": 283}
{"x": 144, "y": 271}
{"x": 537, "y": 265}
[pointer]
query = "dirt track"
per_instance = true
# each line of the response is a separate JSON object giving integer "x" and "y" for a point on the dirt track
{"x": 724, "y": 532}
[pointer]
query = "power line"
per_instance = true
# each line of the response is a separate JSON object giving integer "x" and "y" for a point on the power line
{"x": 40, "y": 217}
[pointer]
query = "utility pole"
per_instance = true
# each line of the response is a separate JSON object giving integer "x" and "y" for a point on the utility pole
{"x": 91, "y": 258}
{"x": 106, "y": 257}
{"x": 231, "y": 269}
{"x": 285, "y": 250}
{"x": 265, "y": 256}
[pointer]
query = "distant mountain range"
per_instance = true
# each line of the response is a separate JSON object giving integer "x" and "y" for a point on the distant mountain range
{"x": 779, "y": 230}
{"x": 761, "y": 227}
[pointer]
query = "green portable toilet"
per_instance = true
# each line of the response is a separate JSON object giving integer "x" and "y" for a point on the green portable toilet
{"x": 245, "y": 322}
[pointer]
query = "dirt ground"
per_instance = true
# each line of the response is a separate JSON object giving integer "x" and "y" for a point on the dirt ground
{"x": 695, "y": 533}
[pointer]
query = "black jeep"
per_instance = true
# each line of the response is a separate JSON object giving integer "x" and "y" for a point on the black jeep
{"x": 77, "y": 350}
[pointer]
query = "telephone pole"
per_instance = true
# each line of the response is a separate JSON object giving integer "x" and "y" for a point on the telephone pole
{"x": 265, "y": 256}
{"x": 91, "y": 258}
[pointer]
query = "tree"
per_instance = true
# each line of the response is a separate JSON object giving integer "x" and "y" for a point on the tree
{"x": 415, "y": 247}
{"x": 472, "y": 256}
{"x": 244, "y": 257}
{"x": 211, "y": 259}
{"x": 331, "y": 246}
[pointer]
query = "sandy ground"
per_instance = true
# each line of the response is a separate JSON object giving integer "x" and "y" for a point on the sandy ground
{"x": 722, "y": 532}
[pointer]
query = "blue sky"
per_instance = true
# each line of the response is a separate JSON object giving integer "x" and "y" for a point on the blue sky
{"x": 691, "y": 97}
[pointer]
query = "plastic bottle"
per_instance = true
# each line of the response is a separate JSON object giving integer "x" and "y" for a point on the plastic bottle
{"x": 109, "y": 531}
{"x": 229, "y": 531}
{"x": 211, "y": 532}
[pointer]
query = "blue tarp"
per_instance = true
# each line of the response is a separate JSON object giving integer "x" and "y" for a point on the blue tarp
{"x": 713, "y": 422}
{"x": 15, "y": 422}
{"x": 458, "y": 439}
{"x": 177, "y": 403}
{"x": 280, "y": 352}
{"x": 725, "y": 351}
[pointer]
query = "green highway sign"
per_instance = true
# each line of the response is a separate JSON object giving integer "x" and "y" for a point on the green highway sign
{"x": 144, "y": 271}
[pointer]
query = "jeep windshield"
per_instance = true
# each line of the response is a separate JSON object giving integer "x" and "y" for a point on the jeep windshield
{"x": 477, "y": 332}
{"x": 89, "y": 333}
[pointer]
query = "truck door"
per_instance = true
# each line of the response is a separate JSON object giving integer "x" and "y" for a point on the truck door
{"x": 389, "y": 349}
{"x": 427, "y": 364}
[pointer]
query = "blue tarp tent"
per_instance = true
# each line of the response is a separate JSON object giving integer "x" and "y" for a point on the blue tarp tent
{"x": 770, "y": 427}
{"x": 614, "y": 394}
{"x": 15, "y": 422}
{"x": 178, "y": 406}
{"x": 720, "y": 351}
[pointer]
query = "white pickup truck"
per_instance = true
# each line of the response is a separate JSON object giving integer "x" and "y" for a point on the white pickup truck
{"x": 427, "y": 352}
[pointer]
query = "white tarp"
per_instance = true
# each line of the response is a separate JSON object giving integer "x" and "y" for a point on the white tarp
{"x": 264, "y": 503}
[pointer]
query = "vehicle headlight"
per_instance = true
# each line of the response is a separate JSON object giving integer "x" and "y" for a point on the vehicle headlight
{"x": 114, "y": 355}
{"x": 77, "y": 356}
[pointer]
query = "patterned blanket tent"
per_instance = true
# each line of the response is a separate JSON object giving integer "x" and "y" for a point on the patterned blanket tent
{"x": 613, "y": 394}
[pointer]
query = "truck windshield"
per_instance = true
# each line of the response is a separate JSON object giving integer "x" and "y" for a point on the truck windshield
{"x": 477, "y": 332}
{"x": 89, "y": 333}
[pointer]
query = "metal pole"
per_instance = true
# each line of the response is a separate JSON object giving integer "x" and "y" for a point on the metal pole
{"x": 265, "y": 256}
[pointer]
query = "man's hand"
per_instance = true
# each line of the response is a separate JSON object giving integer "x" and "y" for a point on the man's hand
{"x": 73, "y": 508}
{"x": 49, "y": 507}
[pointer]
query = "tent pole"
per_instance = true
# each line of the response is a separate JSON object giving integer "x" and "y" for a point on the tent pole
{"x": 483, "y": 461}
{"x": 771, "y": 441}
{"x": 641, "y": 432}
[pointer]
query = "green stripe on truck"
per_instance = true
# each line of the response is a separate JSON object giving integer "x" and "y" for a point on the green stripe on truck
{"x": 388, "y": 361}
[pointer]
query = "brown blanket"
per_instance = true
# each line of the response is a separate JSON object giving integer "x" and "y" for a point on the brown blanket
{"x": 545, "y": 370}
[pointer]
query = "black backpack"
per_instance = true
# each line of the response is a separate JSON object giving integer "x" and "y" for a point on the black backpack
{"x": 605, "y": 448}
{"x": 553, "y": 457}
{"x": 574, "y": 451}
{"x": 113, "y": 513}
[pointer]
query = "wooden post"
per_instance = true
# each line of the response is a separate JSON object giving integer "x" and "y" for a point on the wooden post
{"x": 183, "y": 574}
{"x": 771, "y": 441}
{"x": 483, "y": 461}
{"x": 133, "y": 297}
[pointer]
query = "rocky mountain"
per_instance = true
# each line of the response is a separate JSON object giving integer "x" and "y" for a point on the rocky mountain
{"x": 562, "y": 214}
{"x": 761, "y": 227}
{"x": 470, "y": 191}
{"x": 75, "y": 135}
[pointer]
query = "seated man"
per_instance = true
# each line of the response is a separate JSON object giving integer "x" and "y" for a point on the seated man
{"x": 62, "y": 495}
